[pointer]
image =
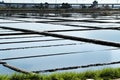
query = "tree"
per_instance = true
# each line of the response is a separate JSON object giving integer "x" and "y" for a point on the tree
{"x": 95, "y": 3}
{"x": 41, "y": 5}
{"x": 65, "y": 5}
{"x": 46, "y": 5}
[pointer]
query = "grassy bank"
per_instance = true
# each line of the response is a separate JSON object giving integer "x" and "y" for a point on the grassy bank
{"x": 105, "y": 74}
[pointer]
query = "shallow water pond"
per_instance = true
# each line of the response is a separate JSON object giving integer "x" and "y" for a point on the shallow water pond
{"x": 71, "y": 53}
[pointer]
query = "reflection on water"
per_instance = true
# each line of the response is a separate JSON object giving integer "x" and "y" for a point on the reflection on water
{"x": 81, "y": 15}
{"x": 96, "y": 34}
{"x": 94, "y": 15}
{"x": 31, "y": 45}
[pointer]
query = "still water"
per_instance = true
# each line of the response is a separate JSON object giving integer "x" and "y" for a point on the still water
{"x": 12, "y": 46}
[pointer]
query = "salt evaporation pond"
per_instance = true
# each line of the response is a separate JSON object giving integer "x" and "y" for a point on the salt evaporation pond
{"x": 32, "y": 44}
{"x": 106, "y": 35}
{"x": 90, "y": 24}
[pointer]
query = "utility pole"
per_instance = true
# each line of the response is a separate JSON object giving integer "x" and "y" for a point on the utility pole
{"x": 10, "y": 1}
{"x": 32, "y": 1}
{"x": 56, "y": 4}
{"x": 76, "y": 1}
{"x": 117, "y": 1}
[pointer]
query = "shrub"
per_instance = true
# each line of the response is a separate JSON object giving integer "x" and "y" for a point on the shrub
{"x": 109, "y": 73}
{"x": 4, "y": 77}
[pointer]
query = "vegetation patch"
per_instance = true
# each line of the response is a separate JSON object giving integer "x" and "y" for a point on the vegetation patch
{"x": 104, "y": 74}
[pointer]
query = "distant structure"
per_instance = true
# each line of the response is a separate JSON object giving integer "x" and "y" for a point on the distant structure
{"x": 2, "y": 1}
{"x": 94, "y": 4}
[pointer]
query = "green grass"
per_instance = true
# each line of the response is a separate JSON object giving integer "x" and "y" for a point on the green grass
{"x": 105, "y": 74}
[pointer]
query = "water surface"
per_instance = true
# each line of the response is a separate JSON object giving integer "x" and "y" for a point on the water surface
{"x": 12, "y": 46}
